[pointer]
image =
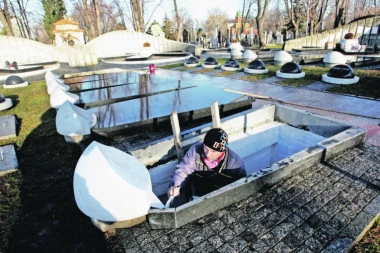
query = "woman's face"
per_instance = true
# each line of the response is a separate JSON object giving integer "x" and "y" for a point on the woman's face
{"x": 211, "y": 154}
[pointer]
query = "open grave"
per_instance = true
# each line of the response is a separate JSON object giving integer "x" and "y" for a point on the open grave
{"x": 275, "y": 142}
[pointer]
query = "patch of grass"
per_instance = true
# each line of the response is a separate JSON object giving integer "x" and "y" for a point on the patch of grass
{"x": 368, "y": 85}
{"x": 29, "y": 104}
{"x": 312, "y": 74}
{"x": 172, "y": 66}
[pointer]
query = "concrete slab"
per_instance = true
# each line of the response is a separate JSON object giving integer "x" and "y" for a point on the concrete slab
{"x": 8, "y": 160}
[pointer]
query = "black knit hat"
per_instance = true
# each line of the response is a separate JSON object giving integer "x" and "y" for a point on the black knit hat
{"x": 216, "y": 139}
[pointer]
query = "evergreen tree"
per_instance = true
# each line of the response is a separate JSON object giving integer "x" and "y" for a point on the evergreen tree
{"x": 168, "y": 28}
{"x": 54, "y": 11}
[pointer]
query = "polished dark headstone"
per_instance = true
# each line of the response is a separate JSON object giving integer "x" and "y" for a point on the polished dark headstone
{"x": 192, "y": 60}
{"x": 291, "y": 67}
{"x": 211, "y": 61}
{"x": 231, "y": 63}
{"x": 341, "y": 71}
{"x": 13, "y": 80}
{"x": 256, "y": 64}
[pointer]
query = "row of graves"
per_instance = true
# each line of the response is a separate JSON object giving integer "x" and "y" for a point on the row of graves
{"x": 340, "y": 73}
{"x": 8, "y": 128}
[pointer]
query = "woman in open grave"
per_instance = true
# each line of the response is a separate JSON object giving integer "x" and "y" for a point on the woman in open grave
{"x": 207, "y": 166}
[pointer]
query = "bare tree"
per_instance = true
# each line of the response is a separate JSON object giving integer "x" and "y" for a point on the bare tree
{"x": 341, "y": 8}
{"x": 5, "y": 18}
{"x": 247, "y": 8}
{"x": 97, "y": 17}
{"x": 295, "y": 14}
{"x": 24, "y": 17}
{"x": 85, "y": 14}
{"x": 217, "y": 19}
{"x": 178, "y": 21}
{"x": 137, "y": 9}
{"x": 262, "y": 8}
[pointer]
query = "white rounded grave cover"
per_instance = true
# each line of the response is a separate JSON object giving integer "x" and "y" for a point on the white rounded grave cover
{"x": 51, "y": 84}
{"x": 59, "y": 96}
{"x": 110, "y": 185}
{"x": 72, "y": 120}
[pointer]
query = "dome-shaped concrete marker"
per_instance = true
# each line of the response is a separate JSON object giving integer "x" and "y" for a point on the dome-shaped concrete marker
{"x": 290, "y": 70}
{"x": 15, "y": 82}
{"x": 231, "y": 65}
{"x": 340, "y": 74}
{"x": 192, "y": 62}
{"x": 282, "y": 57}
{"x": 211, "y": 63}
{"x": 5, "y": 103}
{"x": 256, "y": 67}
{"x": 249, "y": 56}
{"x": 334, "y": 58}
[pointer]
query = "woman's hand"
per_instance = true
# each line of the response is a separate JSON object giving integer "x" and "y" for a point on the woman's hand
{"x": 173, "y": 191}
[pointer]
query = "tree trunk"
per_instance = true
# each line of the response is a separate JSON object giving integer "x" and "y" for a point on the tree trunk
{"x": 5, "y": 19}
{"x": 97, "y": 17}
{"x": 178, "y": 21}
{"x": 24, "y": 19}
{"x": 137, "y": 13}
{"x": 260, "y": 19}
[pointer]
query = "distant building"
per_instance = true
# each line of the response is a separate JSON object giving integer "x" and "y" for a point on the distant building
{"x": 67, "y": 32}
{"x": 235, "y": 29}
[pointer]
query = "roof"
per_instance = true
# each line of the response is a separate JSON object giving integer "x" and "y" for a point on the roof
{"x": 65, "y": 22}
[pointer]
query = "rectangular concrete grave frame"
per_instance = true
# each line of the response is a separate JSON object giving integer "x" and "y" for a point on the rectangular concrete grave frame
{"x": 7, "y": 127}
{"x": 8, "y": 160}
{"x": 337, "y": 137}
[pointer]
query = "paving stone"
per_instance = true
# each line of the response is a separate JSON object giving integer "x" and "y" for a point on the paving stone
{"x": 339, "y": 245}
{"x": 216, "y": 241}
{"x": 225, "y": 248}
{"x": 351, "y": 210}
{"x": 314, "y": 244}
{"x": 197, "y": 239}
{"x": 373, "y": 207}
{"x": 356, "y": 226}
{"x": 144, "y": 238}
{"x": 227, "y": 234}
{"x": 295, "y": 219}
{"x": 259, "y": 246}
{"x": 150, "y": 247}
{"x": 268, "y": 239}
{"x": 163, "y": 242}
{"x": 171, "y": 249}
{"x": 281, "y": 230}
{"x": 307, "y": 228}
{"x": 248, "y": 236}
{"x": 202, "y": 247}
{"x": 281, "y": 247}
{"x": 217, "y": 225}
{"x": 295, "y": 238}
{"x": 304, "y": 249}
{"x": 238, "y": 244}
{"x": 238, "y": 228}
{"x": 271, "y": 220}
{"x": 339, "y": 221}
